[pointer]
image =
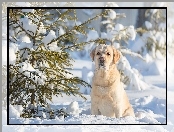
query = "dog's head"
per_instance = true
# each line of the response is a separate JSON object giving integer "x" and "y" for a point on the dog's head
{"x": 104, "y": 56}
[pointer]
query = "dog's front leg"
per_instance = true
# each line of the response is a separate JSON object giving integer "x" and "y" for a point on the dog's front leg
{"x": 118, "y": 112}
{"x": 94, "y": 109}
{"x": 94, "y": 104}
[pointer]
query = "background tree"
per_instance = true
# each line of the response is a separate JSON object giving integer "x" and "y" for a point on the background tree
{"x": 153, "y": 33}
{"x": 42, "y": 38}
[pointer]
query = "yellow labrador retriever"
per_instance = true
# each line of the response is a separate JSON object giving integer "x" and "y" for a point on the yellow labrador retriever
{"x": 108, "y": 96}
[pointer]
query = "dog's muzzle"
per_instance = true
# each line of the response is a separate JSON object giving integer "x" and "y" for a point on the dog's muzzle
{"x": 101, "y": 61}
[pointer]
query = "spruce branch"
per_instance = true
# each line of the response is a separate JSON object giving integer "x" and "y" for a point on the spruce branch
{"x": 71, "y": 31}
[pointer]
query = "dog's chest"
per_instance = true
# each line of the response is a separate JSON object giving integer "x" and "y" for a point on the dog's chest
{"x": 102, "y": 93}
{"x": 102, "y": 90}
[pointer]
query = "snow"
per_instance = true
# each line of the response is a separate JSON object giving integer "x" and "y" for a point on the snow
{"x": 149, "y": 109}
{"x": 23, "y": 45}
{"x": 73, "y": 108}
{"x": 131, "y": 32}
{"x": 61, "y": 31}
{"x": 148, "y": 25}
{"x": 13, "y": 48}
{"x": 13, "y": 113}
{"x": 119, "y": 27}
{"x": 116, "y": 45}
{"x": 103, "y": 35}
{"x": 47, "y": 39}
{"x": 92, "y": 35}
{"x": 135, "y": 83}
{"x": 137, "y": 45}
{"x": 153, "y": 11}
{"x": 162, "y": 26}
{"x": 112, "y": 14}
{"x": 159, "y": 55}
{"x": 160, "y": 38}
{"x": 42, "y": 29}
{"x": 149, "y": 106}
{"x": 89, "y": 12}
{"x": 109, "y": 28}
{"x": 28, "y": 25}
{"x": 26, "y": 67}
{"x": 31, "y": 73}
{"x": 12, "y": 56}
{"x": 106, "y": 22}
{"x": 158, "y": 67}
{"x": 25, "y": 38}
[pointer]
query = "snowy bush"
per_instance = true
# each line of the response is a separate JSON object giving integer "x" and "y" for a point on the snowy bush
{"x": 45, "y": 112}
{"x": 73, "y": 108}
{"x": 153, "y": 34}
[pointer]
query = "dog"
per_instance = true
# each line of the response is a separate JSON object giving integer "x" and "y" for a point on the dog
{"x": 108, "y": 97}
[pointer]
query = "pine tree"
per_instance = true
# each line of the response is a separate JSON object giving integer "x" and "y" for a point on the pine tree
{"x": 44, "y": 38}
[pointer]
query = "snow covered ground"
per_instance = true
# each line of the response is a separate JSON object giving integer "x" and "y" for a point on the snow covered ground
{"x": 149, "y": 106}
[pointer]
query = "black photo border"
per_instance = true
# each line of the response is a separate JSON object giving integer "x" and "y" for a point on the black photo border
{"x": 8, "y": 8}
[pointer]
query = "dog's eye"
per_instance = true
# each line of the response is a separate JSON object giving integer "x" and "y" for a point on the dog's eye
{"x": 98, "y": 53}
{"x": 108, "y": 53}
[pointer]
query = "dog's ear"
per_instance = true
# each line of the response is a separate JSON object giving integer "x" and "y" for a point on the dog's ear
{"x": 92, "y": 54}
{"x": 116, "y": 55}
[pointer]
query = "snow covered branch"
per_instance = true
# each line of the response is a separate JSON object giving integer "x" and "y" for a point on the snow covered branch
{"x": 129, "y": 52}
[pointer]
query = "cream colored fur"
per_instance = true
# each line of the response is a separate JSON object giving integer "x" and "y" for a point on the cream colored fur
{"x": 108, "y": 96}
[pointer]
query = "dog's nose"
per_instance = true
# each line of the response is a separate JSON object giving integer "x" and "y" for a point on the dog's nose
{"x": 101, "y": 59}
